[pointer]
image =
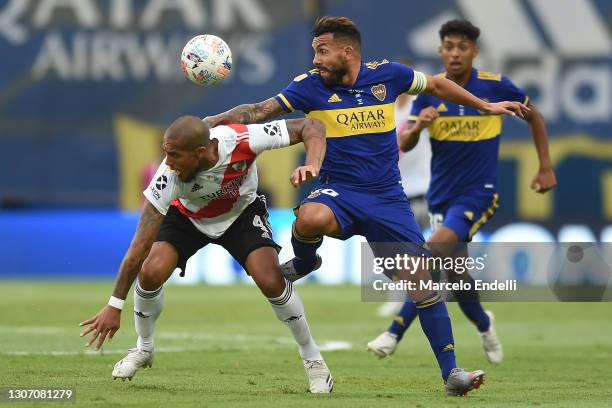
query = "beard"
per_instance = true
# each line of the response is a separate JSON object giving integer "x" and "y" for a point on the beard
{"x": 334, "y": 76}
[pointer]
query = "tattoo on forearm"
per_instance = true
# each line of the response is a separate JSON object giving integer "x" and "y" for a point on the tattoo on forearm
{"x": 252, "y": 113}
{"x": 149, "y": 224}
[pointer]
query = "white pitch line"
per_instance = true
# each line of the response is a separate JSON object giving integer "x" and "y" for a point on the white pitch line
{"x": 86, "y": 352}
{"x": 217, "y": 340}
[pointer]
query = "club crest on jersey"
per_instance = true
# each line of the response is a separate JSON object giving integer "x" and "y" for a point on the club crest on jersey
{"x": 240, "y": 166}
{"x": 212, "y": 177}
{"x": 379, "y": 91}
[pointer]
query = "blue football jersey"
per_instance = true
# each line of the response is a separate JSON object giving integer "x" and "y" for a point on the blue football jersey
{"x": 465, "y": 142}
{"x": 359, "y": 119}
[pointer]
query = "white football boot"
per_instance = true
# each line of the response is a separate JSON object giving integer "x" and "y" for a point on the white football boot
{"x": 320, "y": 380}
{"x": 490, "y": 342}
{"x": 128, "y": 365}
{"x": 384, "y": 345}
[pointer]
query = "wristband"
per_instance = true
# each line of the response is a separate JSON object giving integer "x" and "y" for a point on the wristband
{"x": 116, "y": 302}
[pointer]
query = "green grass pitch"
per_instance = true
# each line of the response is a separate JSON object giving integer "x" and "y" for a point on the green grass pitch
{"x": 223, "y": 346}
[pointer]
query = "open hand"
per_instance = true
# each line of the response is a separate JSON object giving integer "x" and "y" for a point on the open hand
{"x": 506, "y": 108}
{"x": 106, "y": 322}
{"x": 303, "y": 175}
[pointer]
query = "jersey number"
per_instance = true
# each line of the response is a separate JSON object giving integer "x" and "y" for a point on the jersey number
{"x": 263, "y": 225}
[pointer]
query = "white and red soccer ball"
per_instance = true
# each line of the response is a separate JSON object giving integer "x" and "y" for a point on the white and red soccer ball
{"x": 206, "y": 59}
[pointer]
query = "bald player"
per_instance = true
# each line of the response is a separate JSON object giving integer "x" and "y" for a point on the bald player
{"x": 205, "y": 192}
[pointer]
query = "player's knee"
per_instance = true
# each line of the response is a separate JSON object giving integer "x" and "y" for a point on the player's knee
{"x": 313, "y": 221}
{"x": 151, "y": 276}
{"x": 271, "y": 283}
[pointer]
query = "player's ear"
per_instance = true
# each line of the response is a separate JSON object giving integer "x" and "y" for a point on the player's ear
{"x": 440, "y": 50}
{"x": 203, "y": 151}
{"x": 476, "y": 50}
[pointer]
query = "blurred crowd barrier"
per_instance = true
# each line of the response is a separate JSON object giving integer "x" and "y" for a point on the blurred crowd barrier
{"x": 91, "y": 245}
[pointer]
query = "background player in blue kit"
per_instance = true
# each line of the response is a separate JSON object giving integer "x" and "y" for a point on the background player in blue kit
{"x": 462, "y": 194}
{"x": 360, "y": 191}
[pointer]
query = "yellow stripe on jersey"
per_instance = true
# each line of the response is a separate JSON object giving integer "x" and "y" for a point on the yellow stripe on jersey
{"x": 488, "y": 76}
{"x": 419, "y": 83}
{"x": 286, "y": 102}
{"x": 412, "y": 117}
{"x": 526, "y": 101}
{"x": 465, "y": 128}
{"x": 357, "y": 121}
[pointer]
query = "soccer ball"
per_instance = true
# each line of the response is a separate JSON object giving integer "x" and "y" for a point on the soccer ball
{"x": 206, "y": 59}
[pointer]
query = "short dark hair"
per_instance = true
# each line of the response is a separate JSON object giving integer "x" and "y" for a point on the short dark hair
{"x": 459, "y": 27}
{"x": 340, "y": 27}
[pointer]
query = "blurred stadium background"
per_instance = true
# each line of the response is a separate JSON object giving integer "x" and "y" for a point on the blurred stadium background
{"x": 88, "y": 86}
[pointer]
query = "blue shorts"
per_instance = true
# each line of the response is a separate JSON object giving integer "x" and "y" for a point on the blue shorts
{"x": 380, "y": 216}
{"x": 466, "y": 214}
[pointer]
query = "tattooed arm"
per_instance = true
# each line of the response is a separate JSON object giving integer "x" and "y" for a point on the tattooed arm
{"x": 312, "y": 133}
{"x": 108, "y": 320}
{"x": 149, "y": 224}
{"x": 247, "y": 114}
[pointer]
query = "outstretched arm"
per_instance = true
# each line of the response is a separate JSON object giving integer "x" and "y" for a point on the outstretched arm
{"x": 545, "y": 179}
{"x": 108, "y": 320}
{"x": 312, "y": 133}
{"x": 446, "y": 89}
{"x": 247, "y": 114}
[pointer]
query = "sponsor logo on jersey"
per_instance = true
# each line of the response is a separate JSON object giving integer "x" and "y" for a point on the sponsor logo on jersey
{"x": 161, "y": 182}
{"x": 466, "y": 128}
{"x": 271, "y": 129}
{"x": 230, "y": 190}
{"x": 196, "y": 187}
{"x": 442, "y": 108}
{"x": 363, "y": 119}
{"x": 469, "y": 215}
{"x": 379, "y": 91}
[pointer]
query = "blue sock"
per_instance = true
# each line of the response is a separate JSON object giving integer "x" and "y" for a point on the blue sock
{"x": 404, "y": 318}
{"x": 305, "y": 250}
{"x": 437, "y": 327}
{"x": 469, "y": 302}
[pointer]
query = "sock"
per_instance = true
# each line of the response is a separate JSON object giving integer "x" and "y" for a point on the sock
{"x": 289, "y": 310}
{"x": 404, "y": 318}
{"x": 469, "y": 302}
{"x": 147, "y": 308}
{"x": 407, "y": 314}
{"x": 437, "y": 327}
{"x": 305, "y": 250}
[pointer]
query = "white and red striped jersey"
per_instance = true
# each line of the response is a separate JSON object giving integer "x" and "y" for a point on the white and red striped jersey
{"x": 217, "y": 196}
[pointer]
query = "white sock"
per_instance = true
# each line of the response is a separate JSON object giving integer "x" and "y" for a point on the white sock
{"x": 147, "y": 308}
{"x": 289, "y": 310}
